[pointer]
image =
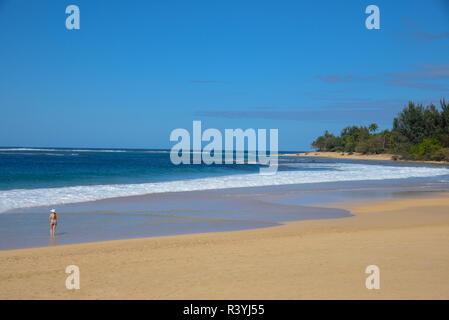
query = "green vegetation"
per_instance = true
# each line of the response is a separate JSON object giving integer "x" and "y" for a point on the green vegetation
{"x": 418, "y": 133}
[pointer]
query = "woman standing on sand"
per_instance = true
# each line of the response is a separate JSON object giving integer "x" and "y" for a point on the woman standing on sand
{"x": 53, "y": 222}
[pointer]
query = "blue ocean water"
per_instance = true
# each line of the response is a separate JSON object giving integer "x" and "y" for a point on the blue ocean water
{"x": 31, "y": 177}
{"x": 29, "y": 168}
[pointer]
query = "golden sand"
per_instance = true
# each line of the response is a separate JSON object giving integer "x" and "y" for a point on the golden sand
{"x": 358, "y": 156}
{"x": 322, "y": 259}
{"x": 343, "y": 155}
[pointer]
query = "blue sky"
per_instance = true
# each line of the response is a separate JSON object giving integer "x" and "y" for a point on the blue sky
{"x": 138, "y": 69}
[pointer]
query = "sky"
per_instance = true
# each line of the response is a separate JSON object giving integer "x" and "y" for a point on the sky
{"x": 136, "y": 70}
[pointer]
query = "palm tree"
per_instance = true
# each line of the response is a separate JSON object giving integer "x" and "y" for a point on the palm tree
{"x": 373, "y": 127}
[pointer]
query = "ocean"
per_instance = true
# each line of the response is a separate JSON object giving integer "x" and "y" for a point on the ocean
{"x": 32, "y": 177}
{"x": 100, "y": 191}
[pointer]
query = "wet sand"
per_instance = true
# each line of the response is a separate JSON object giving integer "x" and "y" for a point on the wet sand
{"x": 408, "y": 239}
{"x": 162, "y": 214}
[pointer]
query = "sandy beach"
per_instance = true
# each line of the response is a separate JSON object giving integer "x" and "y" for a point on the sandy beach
{"x": 343, "y": 155}
{"x": 358, "y": 156}
{"x": 315, "y": 259}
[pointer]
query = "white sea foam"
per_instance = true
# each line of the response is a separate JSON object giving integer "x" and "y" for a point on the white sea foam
{"x": 21, "y": 198}
{"x": 104, "y": 150}
{"x": 27, "y": 149}
{"x": 69, "y": 150}
{"x": 98, "y": 150}
{"x": 83, "y": 150}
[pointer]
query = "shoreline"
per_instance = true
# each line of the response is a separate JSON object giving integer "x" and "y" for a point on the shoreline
{"x": 360, "y": 156}
{"x": 309, "y": 259}
{"x": 155, "y": 215}
{"x": 220, "y": 210}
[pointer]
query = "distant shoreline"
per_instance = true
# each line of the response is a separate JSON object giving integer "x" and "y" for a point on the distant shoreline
{"x": 359, "y": 156}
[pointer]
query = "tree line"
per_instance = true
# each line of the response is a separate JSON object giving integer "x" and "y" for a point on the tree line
{"x": 418, "y": 133}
